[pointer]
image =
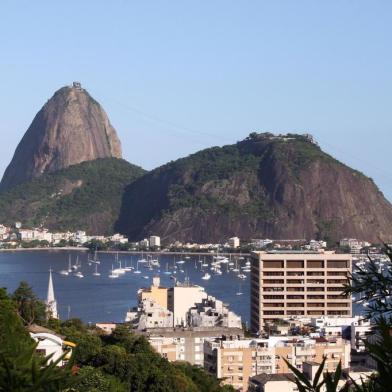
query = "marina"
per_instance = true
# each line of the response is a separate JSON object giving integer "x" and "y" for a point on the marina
{"x": 107, "y": 282}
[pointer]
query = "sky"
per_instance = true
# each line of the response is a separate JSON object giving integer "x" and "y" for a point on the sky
{"x": 179, "y": 76}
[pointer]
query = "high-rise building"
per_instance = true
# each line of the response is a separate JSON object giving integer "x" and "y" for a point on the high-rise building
{"x": 302, "y": 284}
{"x": 51, "y": 303}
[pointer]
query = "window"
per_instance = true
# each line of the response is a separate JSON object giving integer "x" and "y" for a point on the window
{"x": 315, "y": 264}
{"x": 273, "y": 264}
{"x": 295, "y": 264}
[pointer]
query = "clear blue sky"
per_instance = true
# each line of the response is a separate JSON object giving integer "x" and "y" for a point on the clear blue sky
{"x": 179, "y": 76}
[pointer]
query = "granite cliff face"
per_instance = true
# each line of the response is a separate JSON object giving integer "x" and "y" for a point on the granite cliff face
{"x": 263, "y": 186}
{"x": 70, "y": 128}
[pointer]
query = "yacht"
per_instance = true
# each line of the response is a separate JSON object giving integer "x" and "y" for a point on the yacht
{"x": 206, "y": 276}
{"x": 79, "y": 275}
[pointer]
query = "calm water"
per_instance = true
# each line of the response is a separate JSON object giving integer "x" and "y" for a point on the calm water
{"x": 96, "y": 299}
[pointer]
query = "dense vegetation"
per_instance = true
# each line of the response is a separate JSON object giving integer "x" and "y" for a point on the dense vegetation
{"x": 243, "y": 184}
{"x": 85, "y": 197}
{"x": 118, "y": 362}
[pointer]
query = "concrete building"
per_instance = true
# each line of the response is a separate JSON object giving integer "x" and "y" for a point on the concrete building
{"x": 186, "y": 344}
{"x": 360, "y": 331}
{"x": 273, "y": 383}
{"x": 152, "y": 315}
{"x": 181, "y": 298}
{"x": 234, "y": 242}
{"x": 212, "y": 312}
{"x": 236, "y": 361}
{"x": 155, "y": 241}
{"x": 299, "y": 284}
{"x": 155, "y": 292}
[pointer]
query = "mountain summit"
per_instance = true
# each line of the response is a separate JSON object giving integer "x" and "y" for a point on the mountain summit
{"x": 266, "y": 186}
{"x": 70, "y": 128}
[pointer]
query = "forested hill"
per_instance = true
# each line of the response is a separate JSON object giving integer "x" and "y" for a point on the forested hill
{"x": 86, "y": 196}
{"x": 264, "y": 186}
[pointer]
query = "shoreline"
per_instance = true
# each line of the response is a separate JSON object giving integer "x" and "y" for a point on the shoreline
{"x": 84, "y": 249}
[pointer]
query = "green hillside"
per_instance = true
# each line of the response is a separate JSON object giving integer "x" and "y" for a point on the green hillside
{"x": 86, "y": 196}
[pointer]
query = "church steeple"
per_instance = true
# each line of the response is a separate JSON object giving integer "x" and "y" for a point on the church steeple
{"x": 51, "y": 304}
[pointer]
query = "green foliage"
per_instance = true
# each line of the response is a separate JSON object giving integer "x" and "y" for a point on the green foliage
{"x": 20, "y": 368}
{"x": 74, "y": 198}
{"x": 29, "y": 307}
{"x": 95, "y": 380}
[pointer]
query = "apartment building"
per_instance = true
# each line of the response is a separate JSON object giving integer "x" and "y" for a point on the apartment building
{"x": 155, "y": 293}
{"x": 181, "y": 298}
{"x": 298, "y": 284}
{"x": 186, "y": 344}
{"x": 236, "y": 361}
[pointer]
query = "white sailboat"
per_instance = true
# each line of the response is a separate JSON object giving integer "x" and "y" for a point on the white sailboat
{"x": 137, "y": 271}
{"x": 113, "y": 275}
{"x": 67, "y": 271}
{"x": 206, "y": 276}
{"x": 96, "y": 273}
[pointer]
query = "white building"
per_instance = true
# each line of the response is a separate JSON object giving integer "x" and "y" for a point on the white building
{"x": 181, "y": 298}
{"x": 155, "y": 241}
{"x": 151, "y": 315}
{"x": 360, "y": 331}
{"x": 213, "y": 313}
{"x": 234, "y": 242}
{"x": 50, "y": 343}
{"x": 80, "y": 237}
{"x": 26, "y": 235}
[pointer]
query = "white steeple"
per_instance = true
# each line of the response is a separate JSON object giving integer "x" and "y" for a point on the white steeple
{"x": 51, "y": 304}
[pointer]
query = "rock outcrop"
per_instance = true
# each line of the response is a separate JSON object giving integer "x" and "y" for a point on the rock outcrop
{"x": 264, "y": 186}
{"x": 70, "y": 128}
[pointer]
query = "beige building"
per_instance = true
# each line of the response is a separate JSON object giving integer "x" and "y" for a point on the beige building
{"x": 155, "y": 293}
{"x": 236, "y": 361}
{"x": 186, "y": 344}
{"x": 298, "y": 284}
{"x": 155, "y": 241}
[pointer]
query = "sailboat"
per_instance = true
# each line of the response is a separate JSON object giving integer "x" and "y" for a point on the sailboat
{"x": 96, "y": 273}
{"x": 239, "y": 292}
{"x": 79, "y": 273}
{"x": 66, "y": 272}
{"x": 167, "y": 272}
{"x": 137, "y": 271}
{"x": 128, "y": 268}
{"x": 206, "y": 276}
{"x": 113, "y": 275}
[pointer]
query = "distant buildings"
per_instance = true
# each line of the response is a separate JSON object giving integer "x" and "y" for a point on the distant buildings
{"x": 297, "y": 284}
{"x": 234, "y": 242}
{"x": 235, "y": 361}
{"x": 155, "y": 241}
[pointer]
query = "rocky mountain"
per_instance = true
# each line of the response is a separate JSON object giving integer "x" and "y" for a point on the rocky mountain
{"x": 264, "y": 186}
{"x": 70, "y": 128}
{"x": 86, "y": 196}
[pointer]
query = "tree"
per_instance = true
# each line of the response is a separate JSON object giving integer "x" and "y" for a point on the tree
{"x": 21, "y": 369}
{"x": 30, "y": 309}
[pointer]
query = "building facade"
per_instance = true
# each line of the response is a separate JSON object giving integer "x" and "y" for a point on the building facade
{"x": 236, "y": 361}
{"x": 298, "y": 284}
